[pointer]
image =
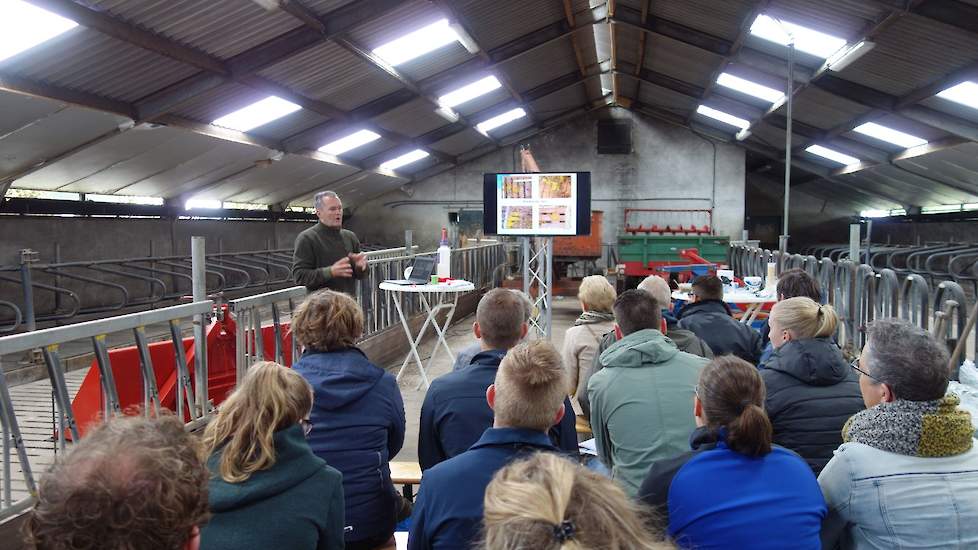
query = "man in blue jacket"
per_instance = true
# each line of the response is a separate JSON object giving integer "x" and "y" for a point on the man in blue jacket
{"x": 709, "y": 318}
{"x": 454, "y": 413}
{"x": 527, "y": 397}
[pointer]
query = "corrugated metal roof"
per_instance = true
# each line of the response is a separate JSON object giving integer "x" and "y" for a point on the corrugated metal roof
{"x": 435, "y": 62}
{"x": 211, "y": 165}
{"x": 954, "y": 165}
{"x": 841, "y": 18}
{"x": 679, "y": 60}
{"x": 222, "y": 28}
{"x": 541, "y": 65}
{"x": 413, "y": 119}
{"x": 920, "y": 191}
{"x": 375, "y": 147}
{"x": 323, "y": 7}
{"x": 290, "y": 125}
{"x": 911, "y": 54}
{"x": 85, "y": 60}
{"x": 220, "y": 101}
{"x": 951, "y": 108}
{"x": 666, "y": 99}
{"x": 824, "y": 110}
{"x": 721, "y": 19}
{"x": 402, "y": 20}
{"x": 302, "y": 191}
{"x": 334, "y": 75}
{"x": 558, "y": 102}
{"x": 483, "y": 102}
{"x": 461, "y": 142}
{"x": 499, "y": 21}
{"x": 259, "y": 181}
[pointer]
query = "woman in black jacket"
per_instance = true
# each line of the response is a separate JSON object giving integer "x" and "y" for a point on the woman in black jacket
{"x": 811, "y": 391}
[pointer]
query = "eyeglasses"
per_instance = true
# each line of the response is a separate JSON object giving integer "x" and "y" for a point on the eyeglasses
{"x": 306, "y": 426}
{"x": 855, "y": 367}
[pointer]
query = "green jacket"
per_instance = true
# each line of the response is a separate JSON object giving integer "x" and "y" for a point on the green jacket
{"x": 295, "y": 504}
{"x": 642, "y": 404}
{"x": 318, "y": 248}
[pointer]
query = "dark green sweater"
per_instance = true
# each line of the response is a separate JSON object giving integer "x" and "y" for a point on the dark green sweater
{"x": 316, "y": 249}
{"x": 295, "y": 504}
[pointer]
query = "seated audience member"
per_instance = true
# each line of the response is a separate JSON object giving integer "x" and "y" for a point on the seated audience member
{"x": 131, "y": 483}
{"x": 581, "y": 341}
{"x": 709, "y": 317}
{"x": 454, "y": 413}
{"x": 528, "y": 397}
{"x": 640, "y": 398}
{"x": 357, "y": 414}
{"x": 811, "y": 391}
{"x": 684, "y": 339}
{"x": 735, "y": 490}
{"x": 793, "y": 283}
{"x": 267, "y": 489}
{"x": 547, "y": 503}
{"x": 907, "y": 474}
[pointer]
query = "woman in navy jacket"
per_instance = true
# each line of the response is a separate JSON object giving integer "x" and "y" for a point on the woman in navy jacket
{"x": 735, "y": 490}
{"x": 357, "y": 414}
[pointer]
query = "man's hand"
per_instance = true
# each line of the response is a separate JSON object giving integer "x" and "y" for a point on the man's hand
{"x": 341, "y": 268}
{"x": 360, "y": 260}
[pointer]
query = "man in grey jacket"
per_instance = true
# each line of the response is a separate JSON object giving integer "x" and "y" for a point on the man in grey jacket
{"x": 326, "y": 255}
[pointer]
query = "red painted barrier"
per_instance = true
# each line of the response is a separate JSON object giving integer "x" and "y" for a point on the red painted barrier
{"x": 221, "y": 373}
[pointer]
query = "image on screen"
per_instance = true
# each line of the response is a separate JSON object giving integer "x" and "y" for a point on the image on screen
{"x": 537, "y": 203}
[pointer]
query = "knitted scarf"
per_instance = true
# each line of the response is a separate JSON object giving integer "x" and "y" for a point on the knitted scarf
{"x": 913, "y": 428}
{"x": 591, "y": 317}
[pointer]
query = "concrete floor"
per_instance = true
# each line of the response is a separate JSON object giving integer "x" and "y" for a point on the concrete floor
{"x": 565, "y": 311}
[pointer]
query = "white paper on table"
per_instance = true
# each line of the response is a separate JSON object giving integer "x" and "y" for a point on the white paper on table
{"x": 588, "y": 447}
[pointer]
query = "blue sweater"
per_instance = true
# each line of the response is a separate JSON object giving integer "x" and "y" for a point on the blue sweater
{"x": 358, "y": 426}
{"x": 455, "y": 413}
{"x": 448, "y": 512}
{"x": 723, "y": 499}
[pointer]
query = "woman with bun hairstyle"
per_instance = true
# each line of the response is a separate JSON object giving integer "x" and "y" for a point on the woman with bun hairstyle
{"x": 546, "y": 502}
{"x": 811, "y": 391}
{"x": 735, "y": 489}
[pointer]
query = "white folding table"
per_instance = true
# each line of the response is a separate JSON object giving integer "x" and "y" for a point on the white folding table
{"x": 753, "y": 299}
{"x": 434, "y": 298}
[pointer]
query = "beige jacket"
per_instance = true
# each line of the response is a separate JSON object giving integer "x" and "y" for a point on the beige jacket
{"x": 580, "y": 347}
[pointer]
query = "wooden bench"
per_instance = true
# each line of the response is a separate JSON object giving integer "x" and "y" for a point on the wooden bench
{"x": 407, "y": 474}
{"x": 583, "y": 428}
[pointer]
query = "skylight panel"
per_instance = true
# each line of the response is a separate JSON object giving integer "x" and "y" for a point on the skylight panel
{"x": 889, "y": 135}
{"x": 499, "y": 120}
{"x": 807, "y": 40}
{"x": 257, "y": 114}
{"x": 874, "y": 213}
{"x": 23, "y": 26}
{"x": 470, "y": 91}
{"x": 405, "y": 159}
{"x": 125, "y": 199}
{"x": 415, "y": 44}
{"x": 965, "y": 93}
{"x": 750, "y": 88}
{"x": 832, "y": 155}
{"x": 350, "y": 142}
{"x": 722, "y": 117}
{"x": 203, "y": 204}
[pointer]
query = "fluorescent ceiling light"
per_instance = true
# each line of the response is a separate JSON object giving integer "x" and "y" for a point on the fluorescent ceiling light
{"x": 499, "y": 120}
{"x": 350, "y": 142}
{"x": 208, "y": 204}
{"x": 806, "y": 40}
{"x": 470, "y": 91}
{"x": 244, "y": 206}
{"x": 257, "y": 114}
{"x": 965, "y": 93}
{"x": 889, "y": 135}
{"x": 404, "y": 159}
{"x": 722, "y": 117}
{"x": 750, "y": 88}
{"x": 23, "y": 26}
{"x": 417, "y": 43}
{"x": 847, "y": 56}
{"x": 836, "y": 156}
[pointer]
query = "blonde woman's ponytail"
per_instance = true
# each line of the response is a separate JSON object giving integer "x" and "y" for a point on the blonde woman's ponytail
{"x": 805, "y": 318}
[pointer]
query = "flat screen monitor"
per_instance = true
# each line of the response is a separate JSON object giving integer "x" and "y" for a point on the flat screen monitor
{"x": 549, "y": 204}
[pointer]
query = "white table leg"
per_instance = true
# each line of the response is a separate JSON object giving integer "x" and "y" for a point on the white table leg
{"x": 750, "y": 314}
{"x": 413, "y": 343}
{"x": 439, "y": 331}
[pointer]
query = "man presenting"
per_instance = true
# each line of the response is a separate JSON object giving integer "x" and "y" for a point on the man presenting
{"x": 326, "y": 255}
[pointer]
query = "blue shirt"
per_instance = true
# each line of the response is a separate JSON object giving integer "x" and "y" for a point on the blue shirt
{"x": 448, "y": 511}
{"x": 724, "y": 499}
{"x": 455, "y": 412}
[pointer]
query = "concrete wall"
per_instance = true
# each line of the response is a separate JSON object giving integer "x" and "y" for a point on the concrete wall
{"x": 670, "y": 167}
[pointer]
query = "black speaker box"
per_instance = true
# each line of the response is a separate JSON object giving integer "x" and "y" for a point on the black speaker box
{"x": 614, "y": 137}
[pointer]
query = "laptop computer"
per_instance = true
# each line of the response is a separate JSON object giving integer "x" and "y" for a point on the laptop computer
{"x": 421, "y": 269}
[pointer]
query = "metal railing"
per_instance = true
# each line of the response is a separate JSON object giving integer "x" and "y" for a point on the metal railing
{"x": 919, "y": 284}
{"x": 48, "y": 342}
{"x": 62, "y": 290}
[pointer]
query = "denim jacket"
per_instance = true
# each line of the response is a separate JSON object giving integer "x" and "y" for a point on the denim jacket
{"x": 879, "y": 499}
